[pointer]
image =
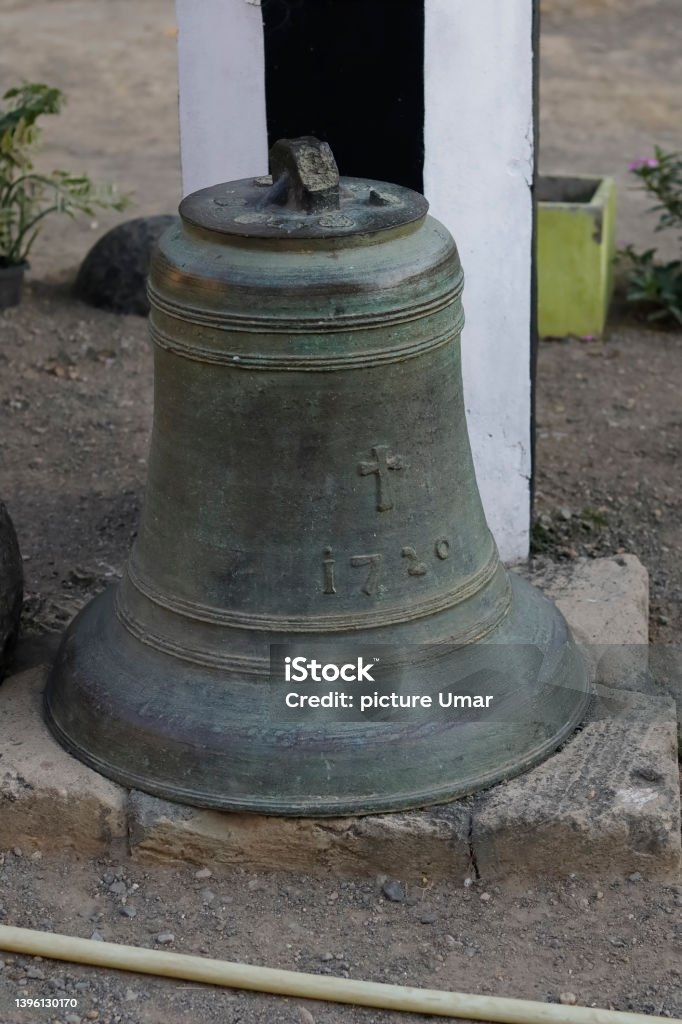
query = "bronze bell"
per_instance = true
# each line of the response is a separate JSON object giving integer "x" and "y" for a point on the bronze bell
{"x": 310, "y": 483}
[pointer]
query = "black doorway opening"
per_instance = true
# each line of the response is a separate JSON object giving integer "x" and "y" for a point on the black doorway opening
{"x": 350, "y": 72}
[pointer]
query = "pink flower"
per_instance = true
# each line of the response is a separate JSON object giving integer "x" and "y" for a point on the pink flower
{"x": 637, "y": 165}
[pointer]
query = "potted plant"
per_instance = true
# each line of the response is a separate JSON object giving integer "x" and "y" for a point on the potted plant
{"x": 28, "y": 196}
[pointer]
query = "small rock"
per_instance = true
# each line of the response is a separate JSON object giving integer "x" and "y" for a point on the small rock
{"x": 568, "y": 999}
{"x": 326, "y": 957}
{"x": 393, "y": 891}
{"x": 635, "y": 877}
{"x": 118, "y": 888}
{"x": 35, "y": 972}
{"x": 2, "y": 965}
{"x": 130, "y": 995}
{"x": 17, "y": 851}
{"x": 88, "y": 909}
{"x": 305, "y": 1015}
{"x": 72, "y": 1018}
{"x": 565, "y": 514}
{"x": 427, "y": 918}
{"x": 36, "y": 856}
{"x": 203, "y": 873}
{"x": 97, "y": 936}
{"x": 113, "y": 275}
{"x": 165, "y": 938}
{"x": 485, "y": 897}
{"x": 207, "y": 896}
{"x": 92, "y": 1015}
{"x": 128, "y": 912}
{"x": 108, "y": 877}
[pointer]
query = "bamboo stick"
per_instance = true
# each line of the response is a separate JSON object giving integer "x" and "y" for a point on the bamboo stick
{"x": 495, "y": 1009}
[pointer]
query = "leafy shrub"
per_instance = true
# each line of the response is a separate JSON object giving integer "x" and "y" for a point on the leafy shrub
{"x": 27, "y": 196}
{"x": 657, "y": 287}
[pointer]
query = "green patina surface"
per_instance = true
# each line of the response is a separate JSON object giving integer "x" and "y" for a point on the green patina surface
{"x": 575, "y": 250}
{"x": 311, "y": 482}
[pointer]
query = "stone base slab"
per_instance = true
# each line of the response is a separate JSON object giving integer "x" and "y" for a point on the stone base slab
{"x": 605, "y": 805}
{"x": 48, "y": 800}
{"x": 606, "y": 603}
{"x": 407, "y": 844}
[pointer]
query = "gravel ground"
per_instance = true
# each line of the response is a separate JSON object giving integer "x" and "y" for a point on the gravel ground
{"x": 519, "y": 941}
{"x": 609, "y": 444}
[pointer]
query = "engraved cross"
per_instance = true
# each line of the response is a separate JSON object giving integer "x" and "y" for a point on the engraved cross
{"x": 383, "y": 461}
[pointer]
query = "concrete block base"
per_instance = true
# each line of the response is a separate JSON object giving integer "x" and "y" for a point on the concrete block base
{"x": 606, "y": 602}
{"x": 407, "y": 845}
{"x": 48, "y": 800}
{"x": 605, "y": 805}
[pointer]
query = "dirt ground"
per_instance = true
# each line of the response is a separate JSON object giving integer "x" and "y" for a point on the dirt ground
{"x": 75, "y": 408}
{"x": 525, "y": 941}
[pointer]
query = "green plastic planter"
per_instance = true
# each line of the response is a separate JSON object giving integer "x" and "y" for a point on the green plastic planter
{"x": 576, "y": 247}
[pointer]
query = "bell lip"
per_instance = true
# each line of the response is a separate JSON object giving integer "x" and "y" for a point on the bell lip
{"x": 311, "y": 808}
{"x": 357, "y": 805}
{"x": 77, "y": 657}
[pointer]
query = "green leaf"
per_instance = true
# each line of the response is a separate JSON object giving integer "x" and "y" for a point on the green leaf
{"x": 27, "y": 197}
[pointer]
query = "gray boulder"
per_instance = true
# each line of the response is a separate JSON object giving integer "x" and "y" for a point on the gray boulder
{"x": 11, "y": 589}
{"x": 114, "y": 273}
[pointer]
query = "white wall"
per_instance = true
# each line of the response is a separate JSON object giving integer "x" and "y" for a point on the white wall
{"x": 221, "y": 77}
{"x": 477, "y": 176}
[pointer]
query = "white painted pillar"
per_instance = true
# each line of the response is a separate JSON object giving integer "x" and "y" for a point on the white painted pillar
{"x": 478, "y": 172}
{"x": 221, "y": 77}
{"x": 477, "y": 176}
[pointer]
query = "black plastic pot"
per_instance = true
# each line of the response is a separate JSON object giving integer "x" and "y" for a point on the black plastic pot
{"x": 11, "y": 284}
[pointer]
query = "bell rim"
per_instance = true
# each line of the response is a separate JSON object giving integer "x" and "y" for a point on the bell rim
{"x": 373, "y": 794}
{"x": 358, "y": 807}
